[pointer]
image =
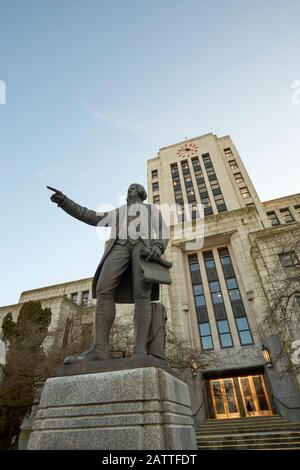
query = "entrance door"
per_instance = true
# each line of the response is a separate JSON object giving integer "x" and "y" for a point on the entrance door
{"x": 224, "y": 398}
{"x": 255, "y": 398}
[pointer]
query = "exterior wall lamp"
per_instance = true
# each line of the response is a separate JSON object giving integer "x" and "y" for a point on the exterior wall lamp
{"x": 267, "y": 356}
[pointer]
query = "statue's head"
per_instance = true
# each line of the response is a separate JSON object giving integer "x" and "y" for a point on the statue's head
{"x": 136, "y": 192}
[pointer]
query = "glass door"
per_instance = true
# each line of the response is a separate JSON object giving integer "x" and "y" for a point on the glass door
{"x": 224, "y": 398}
{"x": 254, "y": 395}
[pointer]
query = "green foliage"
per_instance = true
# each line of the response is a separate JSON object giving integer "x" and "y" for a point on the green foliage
{"x": 8, "y": 327}
{"x": 24, "y": 355}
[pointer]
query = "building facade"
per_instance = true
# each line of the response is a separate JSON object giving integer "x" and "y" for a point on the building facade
{"x": 224, "y": 291}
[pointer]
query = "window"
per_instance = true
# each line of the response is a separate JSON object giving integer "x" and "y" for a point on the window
{"x": 202, "y": 188}
{"x": 210, "y": 172}
{"x": 297, "y": 208}
{"x": 154, "y": 174}
{"x": 238, "y": 177}
{"x": 244, "y": 193}
{"x": 237, "y": 305}
{"x": 273, "y": 218}
{"x": 200, "y": 304}
{"x": 196, "y": 164}
{"x": 155, "y": 186}
{"x": 233, "y": 164}
{"x": 156, "y": 199}
{"x": 208, "y": 210}
{"x": 188, "y": 181}
{"x": 286, "y": 215}
{"x": 220, "y": 203}
{"x": 289, "y": 259}
{"x": 179, "y": 197}
{"x": 205, "y": 202}
{"x": 174, "y": 169}
{"x": 176, "y": 184}
{"x": 177, "y": 191}
{"x": 74, "y": 297}
{"x": 180, "y": 214}
{"x": 297, "y": 299}
{"x": 207, "y": 160}
{"x": 199, "y": 175}
{"x": 85, "y": 298}
{"x": 244, "y": 331}
{"x": 191, "y": 195}
{"x": 217, "y": 300}
{"x": 228, "y": 152}
{"x": 185, "y": 167}
{"x": 194, "y": 211}
{"x": 214, "y": 184}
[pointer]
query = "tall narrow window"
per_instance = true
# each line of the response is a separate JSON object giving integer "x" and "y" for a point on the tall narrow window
{"x": 207, "y": 160}
{"x": 214, "y": 184}
{"x": 155, "y": 186}
{"x": 220, "y": 203}
{"x": 217, "y": 300}
{"x": 177, "y": 192}
{"x": 202, "y": 189}
{"x": 190, "y": 192}
{"x": 154, "y": 174}
{"x": 174, "y": 170}
{"x": 200, "y": 304}
{"x": 191, "y": 195}
{"x": 235, "y": 298}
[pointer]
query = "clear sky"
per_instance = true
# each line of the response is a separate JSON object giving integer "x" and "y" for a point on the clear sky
{"x": 95, "y": 87}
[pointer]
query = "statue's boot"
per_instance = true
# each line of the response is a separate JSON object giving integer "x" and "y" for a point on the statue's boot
{"x": 142, "y": 321}
{"x": 104, "y": 318}
{"x": 91, "y": 354}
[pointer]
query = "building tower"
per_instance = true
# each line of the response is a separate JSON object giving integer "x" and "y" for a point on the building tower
{"x": 218, "y": 299}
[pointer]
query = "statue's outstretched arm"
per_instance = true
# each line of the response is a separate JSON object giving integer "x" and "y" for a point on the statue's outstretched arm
{"x": 81, "y": 213}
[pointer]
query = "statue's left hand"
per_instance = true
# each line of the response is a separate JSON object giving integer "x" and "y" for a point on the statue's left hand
{"x": 155, "y": 253}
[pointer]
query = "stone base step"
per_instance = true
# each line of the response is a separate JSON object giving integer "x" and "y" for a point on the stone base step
{"x": 242, "y": 437}
{"x": 267, "y": 433}
{"x": 250, "y": 418}
{"x": 287, "y": 446}
{"x": 248, "y": 428}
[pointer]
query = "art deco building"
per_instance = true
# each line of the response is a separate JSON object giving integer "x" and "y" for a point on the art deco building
{"x": 223, "y": 294}
{"x": 227, "y": 296}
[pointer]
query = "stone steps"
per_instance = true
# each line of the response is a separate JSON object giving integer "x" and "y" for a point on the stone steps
{"x": 265, "y": 433}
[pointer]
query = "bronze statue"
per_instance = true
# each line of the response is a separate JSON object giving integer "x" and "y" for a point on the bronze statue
{"x": 131, "y": 267}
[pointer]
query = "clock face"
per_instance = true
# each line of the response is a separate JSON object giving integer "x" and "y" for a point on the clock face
{"x": 187, "y": 150}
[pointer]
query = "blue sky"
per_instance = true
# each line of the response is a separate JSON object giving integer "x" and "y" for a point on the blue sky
{"x": 95, "y": 87}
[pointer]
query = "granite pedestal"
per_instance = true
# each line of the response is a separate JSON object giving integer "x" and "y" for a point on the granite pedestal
{"x": 137, "y": 409}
